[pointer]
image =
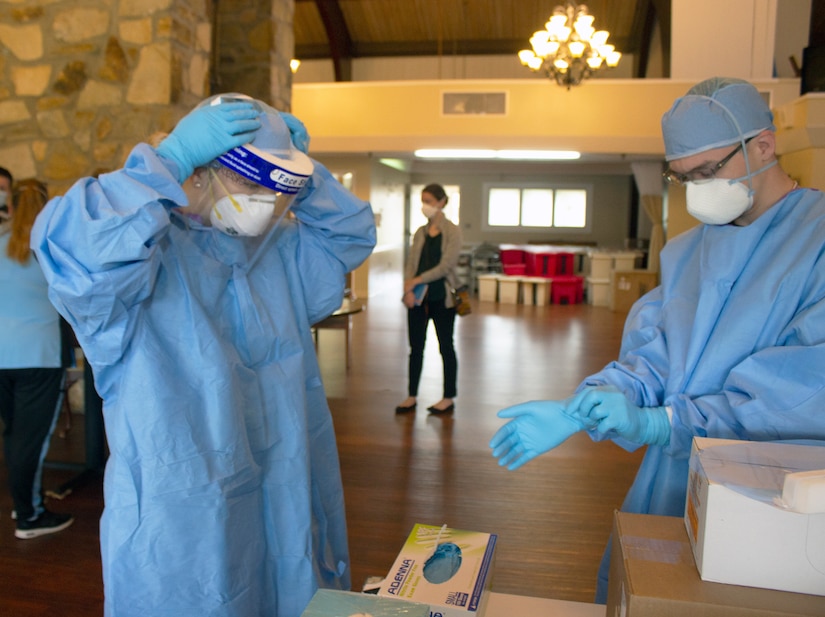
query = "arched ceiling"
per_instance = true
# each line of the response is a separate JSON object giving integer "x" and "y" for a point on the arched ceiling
{"x": 342, "y": 30}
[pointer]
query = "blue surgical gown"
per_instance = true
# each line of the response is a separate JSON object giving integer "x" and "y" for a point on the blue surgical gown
{"x": 223, "y": 492}
{"x": 733, "y": 341}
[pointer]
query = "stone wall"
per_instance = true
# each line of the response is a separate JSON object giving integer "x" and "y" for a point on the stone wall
{"x": 252, "y": 53}
{"x": 83, "y": 81}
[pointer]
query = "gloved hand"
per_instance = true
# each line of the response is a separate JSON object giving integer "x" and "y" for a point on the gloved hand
{"x": 536, "y": 427}
{"x": 609, "y": 410}
{"x": 207, "y": 132}
{"x": 297, "y": 130}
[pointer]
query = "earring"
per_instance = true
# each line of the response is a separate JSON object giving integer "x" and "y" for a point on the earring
{"x": 198, "y": 184}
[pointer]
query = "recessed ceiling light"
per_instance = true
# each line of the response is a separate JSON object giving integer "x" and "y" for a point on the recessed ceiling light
{"x": 520, "y": 155}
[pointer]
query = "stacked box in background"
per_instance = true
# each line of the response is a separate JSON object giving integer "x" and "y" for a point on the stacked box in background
{"x": 627, "y": 286}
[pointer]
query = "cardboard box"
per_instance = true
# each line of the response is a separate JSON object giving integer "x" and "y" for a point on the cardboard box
{"x": 624, "y": 261}
{"x": 652, "y": 574}
{"x": 508, "y": 289}
{"x": 333, "y": 603}
{"x": 465, "y": 593}
{"x": 627, "y": 286}
{"x": 597, "y": 291}
{"x": 598, "y": 265}
{"x": 740, "y": 531}
{"x": 488, "y": 287}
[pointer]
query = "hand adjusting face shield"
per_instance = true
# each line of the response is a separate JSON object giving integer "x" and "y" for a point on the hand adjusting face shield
{"x": 270, "y": 161}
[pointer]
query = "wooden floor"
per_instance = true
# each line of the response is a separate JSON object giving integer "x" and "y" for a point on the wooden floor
{"x": 552, "y": 516}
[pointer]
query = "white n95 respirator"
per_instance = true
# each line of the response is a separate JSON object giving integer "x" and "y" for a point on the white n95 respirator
{"x": 243, "y": 215}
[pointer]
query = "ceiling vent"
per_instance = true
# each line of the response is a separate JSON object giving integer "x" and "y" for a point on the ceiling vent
{"x": 474, "y": 103}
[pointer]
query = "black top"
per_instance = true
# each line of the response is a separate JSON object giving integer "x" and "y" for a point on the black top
{"x": 430, "y": 256}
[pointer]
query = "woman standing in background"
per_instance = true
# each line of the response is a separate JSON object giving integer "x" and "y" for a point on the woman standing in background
{"x": 431, "y": 271}
{"x": 31, "y": 365}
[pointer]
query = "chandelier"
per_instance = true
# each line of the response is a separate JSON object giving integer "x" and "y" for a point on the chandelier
{"x": 570, "y": 49}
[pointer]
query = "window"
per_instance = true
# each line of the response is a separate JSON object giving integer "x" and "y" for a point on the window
{"x": 538, "y": 207}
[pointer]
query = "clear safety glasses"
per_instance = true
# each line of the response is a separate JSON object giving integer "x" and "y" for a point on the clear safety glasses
{"x": 703, "y": 173}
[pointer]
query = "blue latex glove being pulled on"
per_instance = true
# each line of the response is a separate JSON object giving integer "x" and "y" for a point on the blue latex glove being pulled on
{"x": 207, "y": 132}
{"x": 608, "y": 409}
{"x": 535, "y": 428}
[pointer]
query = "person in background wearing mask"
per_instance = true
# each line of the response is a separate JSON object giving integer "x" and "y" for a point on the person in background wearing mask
{"x": 431, "y": 271}
{"x": 192, "y": 294}
{"x": 6, "y": 182}
{"x": 32, "y": 361}
{"x": 731, "y": 345}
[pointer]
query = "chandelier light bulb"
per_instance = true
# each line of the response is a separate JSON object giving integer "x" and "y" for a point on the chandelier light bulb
{"x": 599, "y": 38}
{"x": 569, "y": 49}
{"x": 576, "y": 48}
{"x": 594, "y": 62}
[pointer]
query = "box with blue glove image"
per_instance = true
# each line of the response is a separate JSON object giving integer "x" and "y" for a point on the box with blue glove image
{"x": 449, "y": 569}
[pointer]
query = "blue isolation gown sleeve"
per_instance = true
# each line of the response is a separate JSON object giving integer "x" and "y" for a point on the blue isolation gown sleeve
{"x": 335, "y": 234}
{"x": 98, "y": 247}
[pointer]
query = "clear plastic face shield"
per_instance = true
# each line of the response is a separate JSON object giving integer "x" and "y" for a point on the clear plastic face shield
{"x": 267, "y": 175}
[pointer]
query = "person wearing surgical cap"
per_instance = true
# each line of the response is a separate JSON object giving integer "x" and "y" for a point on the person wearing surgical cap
{"x": 192, "y": 277}
{"x": 731, "y": 344}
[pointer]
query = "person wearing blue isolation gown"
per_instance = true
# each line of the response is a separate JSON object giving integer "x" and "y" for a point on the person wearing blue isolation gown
{"x": 192, "y": 278}
{"x": 732, "y": 343}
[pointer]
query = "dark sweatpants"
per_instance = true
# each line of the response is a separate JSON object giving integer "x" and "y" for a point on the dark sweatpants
{"x": 28, "y": 407}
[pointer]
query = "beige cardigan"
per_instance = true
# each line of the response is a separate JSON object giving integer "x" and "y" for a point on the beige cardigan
{"x": 451, "y": 244}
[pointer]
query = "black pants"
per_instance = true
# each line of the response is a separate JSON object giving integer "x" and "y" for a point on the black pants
{"x": 29, "y": 407}
{"x": 444, "y": 321}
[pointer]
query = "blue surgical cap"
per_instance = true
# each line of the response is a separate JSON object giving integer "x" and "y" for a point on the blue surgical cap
{"x": 717, "y": 112}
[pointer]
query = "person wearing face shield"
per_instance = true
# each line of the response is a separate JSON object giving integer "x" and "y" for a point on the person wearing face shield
{"x": 731, "y": 344}
{"x": 192, "y": 277}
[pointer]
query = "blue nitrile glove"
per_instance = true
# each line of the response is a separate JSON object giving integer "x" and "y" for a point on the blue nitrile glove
{"x": 207, "y": 132}
{"x": 297, "y": 130}
{"x": 609, "y": 410}
{"x": 535, "y": 428}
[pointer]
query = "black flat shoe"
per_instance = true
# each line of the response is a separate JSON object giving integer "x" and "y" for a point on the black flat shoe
{"x": 407, "y": 409}
{"x": 439, "y": 412}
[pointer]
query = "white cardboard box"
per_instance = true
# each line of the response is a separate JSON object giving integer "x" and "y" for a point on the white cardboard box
{"x": 598, "y": 291}
{"x": 740, "y": 531}
{"x": 464, "y": 594}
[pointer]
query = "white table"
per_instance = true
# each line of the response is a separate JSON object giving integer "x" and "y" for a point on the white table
{"x": 506, "y": 605}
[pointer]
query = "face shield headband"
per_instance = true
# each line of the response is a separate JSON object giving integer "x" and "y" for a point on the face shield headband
{"x": 278, "y": 166}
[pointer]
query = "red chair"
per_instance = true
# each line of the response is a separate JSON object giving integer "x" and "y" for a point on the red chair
{"x": 565, "y": 263}
{"x": 540, "y": 264}
{"x": 567, "y": 289}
